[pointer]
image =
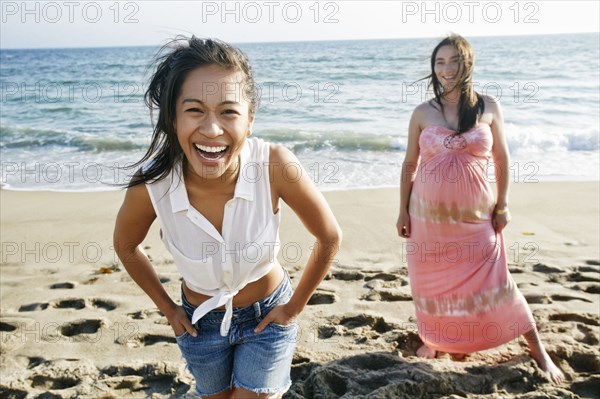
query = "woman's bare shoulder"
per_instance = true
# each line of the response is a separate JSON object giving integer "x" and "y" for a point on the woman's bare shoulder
{"x": 424, "y": 107}
{"x": 422, "y": 113}
{"x": 492, "y": 104}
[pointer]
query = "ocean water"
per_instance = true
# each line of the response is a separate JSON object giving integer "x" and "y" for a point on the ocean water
{"x": 69, "y": 117}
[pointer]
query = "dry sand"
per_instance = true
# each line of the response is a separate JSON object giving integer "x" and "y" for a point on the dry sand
{"x": 73, "y": 324}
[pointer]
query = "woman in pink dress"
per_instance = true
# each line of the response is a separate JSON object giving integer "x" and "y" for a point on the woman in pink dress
{"x": 465, "y": 298}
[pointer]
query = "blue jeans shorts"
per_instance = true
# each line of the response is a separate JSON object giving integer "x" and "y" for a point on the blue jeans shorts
{"x": 260, "y": 362}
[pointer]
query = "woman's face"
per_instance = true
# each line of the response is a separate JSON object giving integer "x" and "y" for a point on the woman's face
{"x": 447, "y": 67}
{"x": 212, "y": 121}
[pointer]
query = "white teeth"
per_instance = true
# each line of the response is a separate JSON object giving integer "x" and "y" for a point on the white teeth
{"x": 210, "y": 149}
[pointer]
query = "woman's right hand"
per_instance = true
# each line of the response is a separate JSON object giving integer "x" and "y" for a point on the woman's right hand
{"x": 179, "y": 321}
{"x": 403, "y": 224}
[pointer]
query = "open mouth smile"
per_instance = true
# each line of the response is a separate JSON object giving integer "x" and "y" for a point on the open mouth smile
{"x": 211, "y": 153}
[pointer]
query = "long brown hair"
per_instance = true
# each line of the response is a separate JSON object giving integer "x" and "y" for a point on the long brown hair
{"x": 471, "y": 104}
{"x": 173, "y": 63}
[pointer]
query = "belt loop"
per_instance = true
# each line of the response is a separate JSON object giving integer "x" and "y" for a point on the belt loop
{"x": 257, "y": 312}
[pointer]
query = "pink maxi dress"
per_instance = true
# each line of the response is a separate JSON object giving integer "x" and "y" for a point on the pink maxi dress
{"x": 464, "y": 296}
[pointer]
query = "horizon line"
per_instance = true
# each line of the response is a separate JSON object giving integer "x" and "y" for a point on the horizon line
{"x": 307, "y": 41}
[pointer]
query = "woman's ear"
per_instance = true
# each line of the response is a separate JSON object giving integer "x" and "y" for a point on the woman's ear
{"x": 250, "y": 124}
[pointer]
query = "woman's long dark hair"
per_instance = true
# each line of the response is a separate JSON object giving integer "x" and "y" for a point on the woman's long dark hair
{"x": 173, "y": 63}
{"x": 471, "y": 104}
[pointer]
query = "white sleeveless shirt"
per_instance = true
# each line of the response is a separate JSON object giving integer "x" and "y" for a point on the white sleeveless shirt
{"x": 213, "y": 264}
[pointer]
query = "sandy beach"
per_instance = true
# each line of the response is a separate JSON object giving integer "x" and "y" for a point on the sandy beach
{"x": 73, "y": 324}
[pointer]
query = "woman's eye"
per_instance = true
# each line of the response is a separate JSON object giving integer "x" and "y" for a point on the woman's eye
{"x": 231, "y": 112}
{"x": 193, "y": 110}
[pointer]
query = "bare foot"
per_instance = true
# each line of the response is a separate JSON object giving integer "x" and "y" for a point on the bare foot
{"x": 457, "y": 357}
{"x": 547, "y": 365}
{"x": 541, "y": 357}
{"x": 426, "y": 352}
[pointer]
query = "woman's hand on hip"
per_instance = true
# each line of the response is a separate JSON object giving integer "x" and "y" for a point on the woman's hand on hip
{"x": 279, "y": 315}
{"x": 180, "y": 322}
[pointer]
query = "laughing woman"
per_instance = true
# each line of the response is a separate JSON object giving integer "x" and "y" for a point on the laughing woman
{"x": 216, "y": 193}
{"x": 465, "y": 298}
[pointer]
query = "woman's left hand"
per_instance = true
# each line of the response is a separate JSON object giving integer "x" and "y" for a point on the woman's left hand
{"x": 279, "y": 314}
{"x": 499, "y": 222}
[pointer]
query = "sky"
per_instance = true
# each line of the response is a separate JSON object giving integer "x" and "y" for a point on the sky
{"x": 57, "y": 24}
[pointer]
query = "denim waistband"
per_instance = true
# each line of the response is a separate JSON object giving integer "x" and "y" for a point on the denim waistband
{"x": 243, "y": 313}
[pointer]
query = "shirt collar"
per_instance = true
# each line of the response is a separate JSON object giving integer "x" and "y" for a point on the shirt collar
{"x": 243, "y": 186}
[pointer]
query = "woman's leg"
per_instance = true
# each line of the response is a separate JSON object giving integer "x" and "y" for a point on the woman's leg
{"x": 241, "y": 393}
{"x": 541, "y": 357}
{"x": 263, "y": 360}
{"x": 229, "y": 394}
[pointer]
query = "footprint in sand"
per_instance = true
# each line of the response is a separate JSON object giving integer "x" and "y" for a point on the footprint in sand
{"x": 322, "y": 298}
{"x": 145, "y": 313}
{"x": 577, "y": 277}
{"x": 584, "y": 362}
{"x": 592, "y": 262}
{"x": 32, "y": 307}
{"x": 79, "y": 327}
{"x": 34, "y": 361}
{"x": 386, "y": 295}
{"x": 153, "y": 339}
{"x": 62, "y": 286}
{"x": 541, "y": 268}
{"x": 383, "y": 276}
{"x": 71, "y": 303}
{"x": 585, "y": 318}
{"x": 328, "y": 331}
{"x": 342, "y": 325}
{"x": 385, "y": 287}
{"x": 7, "y": 327}
{"x": 567, "y": 298}
{"x": 590, "y": 336}
{"x": 585, "y": 323}
{"x": 592, "y": 289}
{"x": 537, "y": 298}
{"x": 582, "y": 277}
{"x": 50, "y": 382}
{"x": 515, "y": 269}
{"x": 377, "y": 324}
{"x": 163, "y": 379}
{"x": 137, "y": 340}
{"x": 80, "y": 303}
{"x": 11, "y": 393}
{"x": 344, "y": 275}
{"x": 103, "y": 304}
{"x": 587, "y": 388}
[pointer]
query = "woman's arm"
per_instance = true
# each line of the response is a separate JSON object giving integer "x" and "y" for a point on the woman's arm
{"x": 501, "y": 158}
{"x": 303, "y": 197}
{"x": 409, "y": 171}
{"x": 133, "y": 222}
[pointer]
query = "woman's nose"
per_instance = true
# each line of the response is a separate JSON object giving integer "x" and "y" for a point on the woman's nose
{"x": 450, "y": 67}
{"x": 210, "y": 126}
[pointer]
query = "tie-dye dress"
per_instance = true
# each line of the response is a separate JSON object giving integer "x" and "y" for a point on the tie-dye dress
{"x": 464, "y": 296}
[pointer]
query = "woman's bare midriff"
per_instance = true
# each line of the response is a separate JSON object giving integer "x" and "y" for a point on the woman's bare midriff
{"x": 251, "y": 293}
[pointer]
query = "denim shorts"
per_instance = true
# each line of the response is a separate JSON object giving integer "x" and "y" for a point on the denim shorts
{"x": 260, "y": 362}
